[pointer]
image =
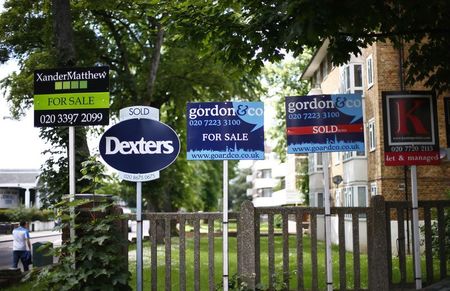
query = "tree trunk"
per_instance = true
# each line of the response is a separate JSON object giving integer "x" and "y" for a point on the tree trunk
{"x": 62, "y": 26}
{"x": 66, "y": 57}
{"x": 156, "y": 55}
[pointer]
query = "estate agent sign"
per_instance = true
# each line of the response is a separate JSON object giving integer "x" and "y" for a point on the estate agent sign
{"x": 139, "y": 147}
{"x": 324, "y": 123}
{"x": 71, "y": 97}
{"x": 225, "y": 131}
{"x": 410, "y": 129}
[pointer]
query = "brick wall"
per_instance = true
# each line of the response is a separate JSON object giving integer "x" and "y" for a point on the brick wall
{"x": 433, "y": 181}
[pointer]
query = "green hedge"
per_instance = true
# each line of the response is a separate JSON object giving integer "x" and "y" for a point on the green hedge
{"x": 25, "y": 214}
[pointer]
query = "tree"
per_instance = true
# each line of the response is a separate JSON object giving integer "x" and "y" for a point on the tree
{"x": 158, "y": 56}
{"x": 282, "y": 79}
{"x": 265, "y": 28}
{"x": 238, "y": 189}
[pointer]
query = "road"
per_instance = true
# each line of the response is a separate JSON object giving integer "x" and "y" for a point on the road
{"x": 6, "y": 248}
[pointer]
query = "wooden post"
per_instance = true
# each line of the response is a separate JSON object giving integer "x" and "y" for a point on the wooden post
{"x": 247, "y": 244}
{"x": 378, "y": 269}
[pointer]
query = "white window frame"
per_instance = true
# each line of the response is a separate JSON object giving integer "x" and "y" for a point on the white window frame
{"x": 313, "y": 165}
{"x": 347, "y": 156}
{"x": 369, "y": 71}
{"x": 337, "y": 197}
{"x": 338, "y": 158}
{"x": 349, "y": 78}
{"x": 372, "y": 135}
{"x": 356, "y": 202}
{"x": 318, "y": 194}
{"x": 373, "y": 189}
{"x": 351, "y": 197}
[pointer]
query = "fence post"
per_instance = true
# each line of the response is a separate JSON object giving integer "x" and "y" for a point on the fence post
{"x": 378, "y": 269}
{"x": 247, "y": 244}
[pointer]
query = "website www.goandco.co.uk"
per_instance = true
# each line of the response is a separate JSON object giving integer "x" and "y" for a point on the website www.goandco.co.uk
{"x": 222, "y": 156}
{"x": 322, "y": 148}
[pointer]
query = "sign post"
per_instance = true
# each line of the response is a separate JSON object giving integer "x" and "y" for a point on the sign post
{"x": 225, "y": 131}
{"x": 71, "y": 97}
{"x": 321, "y": 124}
{"x": 411, "y": 138}
{"x": 139, "y": 147}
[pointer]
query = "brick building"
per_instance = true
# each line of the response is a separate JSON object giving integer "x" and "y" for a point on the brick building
{"x": 362, "y": 174}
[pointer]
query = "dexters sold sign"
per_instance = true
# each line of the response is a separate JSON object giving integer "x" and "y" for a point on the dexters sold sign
{"x": 139, "y": 146}
{"x": 324, "y": 123}
{"x": 225, "y": 131}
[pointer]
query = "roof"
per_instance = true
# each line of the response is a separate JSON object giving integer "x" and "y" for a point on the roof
{"x": 315, "y": 61}
{"x": 11, "y": 177}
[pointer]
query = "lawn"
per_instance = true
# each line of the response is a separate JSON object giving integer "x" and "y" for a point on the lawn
{"x": 233, "y": 264}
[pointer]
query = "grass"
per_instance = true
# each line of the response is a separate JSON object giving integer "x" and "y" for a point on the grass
{"x": 233, "y": 263}
{"x": 204, "y": 269}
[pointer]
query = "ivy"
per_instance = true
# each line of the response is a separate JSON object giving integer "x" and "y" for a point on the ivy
{"x": 92, "y": 260}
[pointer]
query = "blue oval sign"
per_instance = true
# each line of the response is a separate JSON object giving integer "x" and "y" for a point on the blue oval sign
{"x": 139, "y": 146}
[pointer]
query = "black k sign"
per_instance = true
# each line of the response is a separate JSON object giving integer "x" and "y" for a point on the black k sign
{"x": 410, "y": 128}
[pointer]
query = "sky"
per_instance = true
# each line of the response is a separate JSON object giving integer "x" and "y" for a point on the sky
{"x": 20, "y": 145}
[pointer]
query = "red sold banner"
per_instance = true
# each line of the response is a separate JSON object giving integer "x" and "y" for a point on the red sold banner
{"x": 410, "y": 129}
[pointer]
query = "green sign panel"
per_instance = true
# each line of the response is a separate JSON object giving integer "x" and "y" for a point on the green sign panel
{"x": 71, "y": 97}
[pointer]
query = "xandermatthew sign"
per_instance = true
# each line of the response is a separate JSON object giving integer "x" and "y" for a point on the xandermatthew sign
{"x": 410, "y": 129}
{"x": 71, "y": 97}
{"x": 225, "y": 131}
{"x": 324, "y": 123}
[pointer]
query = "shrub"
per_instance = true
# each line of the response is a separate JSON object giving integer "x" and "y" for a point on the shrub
{"x": 25, "y": 214}
{"x": 92, "y": 260}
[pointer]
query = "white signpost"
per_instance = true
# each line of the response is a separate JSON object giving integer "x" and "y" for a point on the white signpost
{"x": 325, "y": 123}
{"x": 225, "y": 131}
{"x": 138, "y": 147}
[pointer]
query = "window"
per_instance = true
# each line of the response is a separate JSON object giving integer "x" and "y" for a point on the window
{"x": 372, "y": 139}
{"x": 347, "y": 79}
{"x": 357, "y": 76}
{"x": 369, "y": 71}
{"x": 351, "y": 155}
{"x": 348, "y": 196}
{"x": 362, "y": 197}
{"x": 352, "y": 79}
{"x": 373, "y": 189}
{"x": 320, "y": 200}
{"x": 264, "y": 192}
{"x": 355, "y": 196}
{"x": 338, "y": 198}
{"x": 265, "y": 173}
{"x": 315, "y": 162}
{"x": 337, "y": 161}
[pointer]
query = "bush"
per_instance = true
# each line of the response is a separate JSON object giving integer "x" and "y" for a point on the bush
{"x": 25, "y": 214}
{"x": 92, "y": 261}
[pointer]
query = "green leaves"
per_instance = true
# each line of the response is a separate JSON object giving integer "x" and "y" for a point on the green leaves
{"x": 95, "y": 253}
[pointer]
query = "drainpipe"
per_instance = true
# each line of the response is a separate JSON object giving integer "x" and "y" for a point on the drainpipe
{"x": 405, "y": 168}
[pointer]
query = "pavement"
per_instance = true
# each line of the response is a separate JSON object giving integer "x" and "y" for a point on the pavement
{"x": 36, "y": 236}
{"x": 33, "y": 235}
{"x": 49, "y": 233}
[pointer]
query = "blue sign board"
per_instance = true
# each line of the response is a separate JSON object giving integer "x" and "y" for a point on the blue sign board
{"x": 324, "y": 123}
{"x": 225, "y": 131}
{"x": 139, "y": 146}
